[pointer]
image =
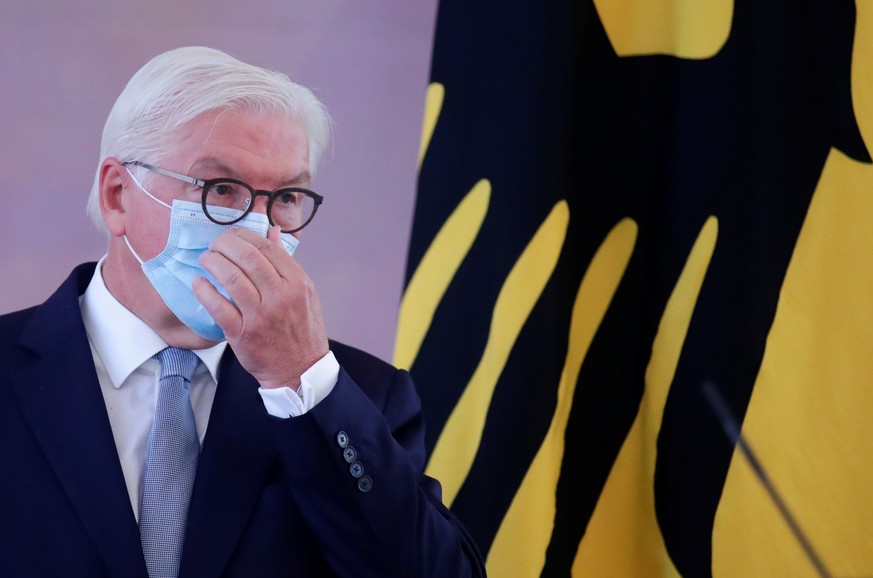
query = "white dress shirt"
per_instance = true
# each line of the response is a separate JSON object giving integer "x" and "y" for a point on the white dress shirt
{"x": 123, "y": 347}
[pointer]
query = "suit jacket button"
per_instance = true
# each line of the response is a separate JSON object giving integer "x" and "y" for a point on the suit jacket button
{"x": 342, "y": 439}
{"x": 350, "y": 454}
{"x": 365, "y": 484}
{"x": 356, "y": 469}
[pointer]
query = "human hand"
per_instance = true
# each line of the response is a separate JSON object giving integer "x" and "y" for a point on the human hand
{"x": 274, "y": 325}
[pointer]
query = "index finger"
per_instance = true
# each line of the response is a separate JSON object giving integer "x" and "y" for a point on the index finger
{"x": 259, "y": 258}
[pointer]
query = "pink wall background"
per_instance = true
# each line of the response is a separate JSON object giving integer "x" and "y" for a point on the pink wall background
{"x": 62, "y": 65}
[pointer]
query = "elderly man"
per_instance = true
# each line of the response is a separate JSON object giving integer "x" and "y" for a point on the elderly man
{"x": 177, "y": 409}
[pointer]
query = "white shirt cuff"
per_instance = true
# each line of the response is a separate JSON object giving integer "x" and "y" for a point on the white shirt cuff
{"x": 315, "y": 385}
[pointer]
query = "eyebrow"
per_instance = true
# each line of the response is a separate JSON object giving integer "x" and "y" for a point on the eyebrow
{"x": 218, "y": 166}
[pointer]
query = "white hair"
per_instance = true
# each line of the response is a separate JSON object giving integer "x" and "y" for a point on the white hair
{"x": 177, "y": 86}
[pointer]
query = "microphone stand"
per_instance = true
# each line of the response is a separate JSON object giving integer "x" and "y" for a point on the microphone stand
{"x": 732, "y": 429}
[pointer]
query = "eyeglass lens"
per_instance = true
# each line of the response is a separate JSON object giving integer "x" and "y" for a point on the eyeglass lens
{"x": 288, "y": 209}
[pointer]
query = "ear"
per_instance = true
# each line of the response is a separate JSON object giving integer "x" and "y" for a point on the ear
{"x": 113, "y": 178}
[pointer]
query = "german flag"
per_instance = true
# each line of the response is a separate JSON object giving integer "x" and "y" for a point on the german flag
{"x": 620, "y": 201}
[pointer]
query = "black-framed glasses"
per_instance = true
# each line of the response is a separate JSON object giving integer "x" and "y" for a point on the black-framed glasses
{"x": 291, "y": 208}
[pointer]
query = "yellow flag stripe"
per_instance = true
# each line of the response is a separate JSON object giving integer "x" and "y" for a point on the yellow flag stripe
{"x": 519, "y": 548}
{"x": 436, "y": 271}
{"x": 456, "y": 448}
{"x": 809, "y": 415}
{"x": 436, "y": 93}
{"x": 623, "y": 537}
{"x": 693, "y": 29}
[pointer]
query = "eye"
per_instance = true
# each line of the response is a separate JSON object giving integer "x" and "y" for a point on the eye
{"x": 228, "y": 194}
{"x": 221, "y": 190}
{"x": 288, "y": 198}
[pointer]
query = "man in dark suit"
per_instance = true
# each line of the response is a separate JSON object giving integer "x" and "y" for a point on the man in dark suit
{"x": 199, "y": 329}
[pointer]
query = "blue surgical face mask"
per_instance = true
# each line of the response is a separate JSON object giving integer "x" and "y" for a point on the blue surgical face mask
{"x": 174, "y": 269}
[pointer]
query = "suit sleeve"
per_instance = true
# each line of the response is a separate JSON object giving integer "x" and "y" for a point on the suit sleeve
{"x": 355, "y": 462}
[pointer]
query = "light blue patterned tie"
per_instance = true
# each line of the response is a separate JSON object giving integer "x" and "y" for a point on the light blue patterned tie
{"x": 171, "y": 464}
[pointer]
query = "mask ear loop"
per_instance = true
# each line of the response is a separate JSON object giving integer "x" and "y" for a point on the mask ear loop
{"x": 135, "y": 256}
{"x": 143, "y": 189}
{"x": 154, "y": 198}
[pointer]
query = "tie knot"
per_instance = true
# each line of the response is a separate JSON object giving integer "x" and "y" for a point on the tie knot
{"x": 177, "y": 362}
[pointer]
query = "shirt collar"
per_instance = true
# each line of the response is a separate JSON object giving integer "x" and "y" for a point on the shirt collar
{"x": 124, "y": 341}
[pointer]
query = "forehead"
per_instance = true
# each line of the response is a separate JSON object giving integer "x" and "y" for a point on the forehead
{"x": 249, "y": 144}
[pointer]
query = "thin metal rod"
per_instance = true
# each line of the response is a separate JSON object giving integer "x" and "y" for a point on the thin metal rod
{"x": 732, "y": 429}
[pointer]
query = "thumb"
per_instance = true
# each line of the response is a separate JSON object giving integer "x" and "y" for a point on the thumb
{"x": 274, "y": 234}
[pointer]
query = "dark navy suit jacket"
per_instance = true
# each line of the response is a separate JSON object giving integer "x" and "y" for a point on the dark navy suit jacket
{"x": 272, "y": 497}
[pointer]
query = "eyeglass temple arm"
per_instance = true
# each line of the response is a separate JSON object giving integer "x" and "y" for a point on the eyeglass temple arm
{"x": 166, "y": 173}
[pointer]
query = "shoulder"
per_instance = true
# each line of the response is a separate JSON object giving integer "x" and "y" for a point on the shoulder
{"x": 52, "y": 323}
{"x": 12, "y": 325}
{"x": 16, "y": 319}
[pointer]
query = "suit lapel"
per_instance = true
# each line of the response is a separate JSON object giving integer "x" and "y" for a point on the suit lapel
{"x": 60, "y": 395}
{"x": 230, "y": 474}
